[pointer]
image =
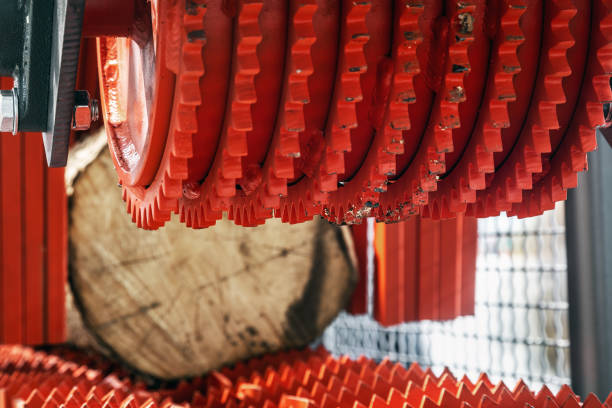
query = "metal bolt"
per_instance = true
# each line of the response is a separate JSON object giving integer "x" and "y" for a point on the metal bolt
{"x": 86, "y": 110}
{"x": 9, "y": 113}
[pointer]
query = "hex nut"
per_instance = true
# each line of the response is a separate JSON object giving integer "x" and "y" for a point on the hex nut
{"x": 86, "y": 110}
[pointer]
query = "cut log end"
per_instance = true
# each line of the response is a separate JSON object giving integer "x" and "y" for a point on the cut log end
{"x": 177, "y": 302}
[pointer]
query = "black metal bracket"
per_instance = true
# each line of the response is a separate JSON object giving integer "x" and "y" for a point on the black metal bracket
{"x": 25, "y": 44}
{"x": 68, "y": 21}
{"x": 39, "y": 49}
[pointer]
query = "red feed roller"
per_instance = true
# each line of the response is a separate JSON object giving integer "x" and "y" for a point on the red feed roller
{"x": 523, "y": 82}
{"x": 320, "y": 88}
{"x": 386, "y": 117}
{"x": 579, "y": 138}
{"x": 262, "y": 109}
{"x": 264, "y": 88}
{"x": 308, "y": 378}
{"x": 365, "y": 142}
{"x": 410, "y": 190}
{"x": 375, "y": 51}
{"x": 418, "y": 113}
{"x": 201, "y": 205}
{"x": 253, "y": 204}
{"x": 217, "y": 57}
{"x": 270, "y": 53}
{"x": 516, "y": 172}
{"x": 355, "y": 85}
{"x": 324, "y": 158}
{"x": 151, "y": 154}
{"x": 458, "y": 186}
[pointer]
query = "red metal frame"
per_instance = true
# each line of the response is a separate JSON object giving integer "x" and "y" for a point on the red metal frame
{"x": 359, "y": 299}
{"x": 11, "y": 226}
{"x": 57, "y": 256}
{"x": 34, "y": 256}
{"x": 424, "y": 269}
{"x": 33, "y": 242}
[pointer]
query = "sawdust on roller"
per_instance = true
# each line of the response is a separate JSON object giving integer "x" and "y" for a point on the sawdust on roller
{"x": 178, "y": 302}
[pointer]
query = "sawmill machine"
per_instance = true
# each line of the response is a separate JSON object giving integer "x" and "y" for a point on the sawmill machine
{"x": 339, "y": 108}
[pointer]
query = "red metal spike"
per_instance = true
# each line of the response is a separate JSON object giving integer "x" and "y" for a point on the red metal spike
{"x": 288, "y": 401}
{"x": 329, "y": 389}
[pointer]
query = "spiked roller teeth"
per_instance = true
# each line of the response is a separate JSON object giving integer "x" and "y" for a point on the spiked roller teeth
{"x": 570, "y": 157}
{"x": 256, "y": 206}
{"x": 410, "y": 190}
{"x": 525, "y": 159}
{"x": 220, "y": 184}
{"x": 151, "y": 205}
{"x": 394, "y": 90}
{"x": 460, "y": 185}
{"x": 428, "y": 23}
{"x": 358, "y": 108}
{"x": 294, "y": 379}
{"x": 310, "y": 193}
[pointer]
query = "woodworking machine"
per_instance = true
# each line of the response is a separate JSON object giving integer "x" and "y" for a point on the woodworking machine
{"x": 344, "y": 109}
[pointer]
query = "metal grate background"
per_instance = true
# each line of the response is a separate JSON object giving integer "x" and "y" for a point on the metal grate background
{"x": 520, "y": 327}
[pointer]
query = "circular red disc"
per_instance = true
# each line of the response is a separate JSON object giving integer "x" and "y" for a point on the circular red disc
{"x": 136, "y": 97}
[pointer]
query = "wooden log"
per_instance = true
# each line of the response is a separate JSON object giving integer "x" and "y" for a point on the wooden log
{"x": 178, "y": 302}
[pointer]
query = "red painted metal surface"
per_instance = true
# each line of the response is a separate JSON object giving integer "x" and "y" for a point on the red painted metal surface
{"x": 109, "y": 17}
{"x": 33, "y": 242}
{"x": 354, "y": 109}
{"x": 424, "y": 269}
{"x": 359, "y": 299}
{"x": 465, "y": 304}
{"x": 11, "y": 222}
{"x": 293, "y": 379}
{"x": 57, "y": 257}
{"x": 34, "y": 252}
{"x": 429, "y": 269}
{"x": 451, "y": 254}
